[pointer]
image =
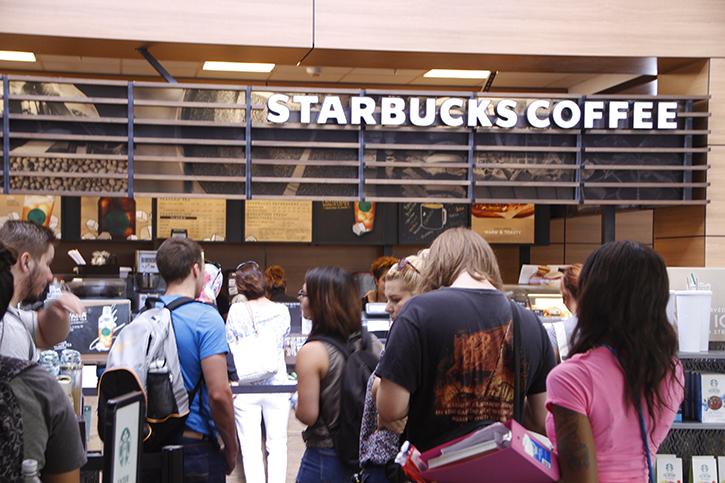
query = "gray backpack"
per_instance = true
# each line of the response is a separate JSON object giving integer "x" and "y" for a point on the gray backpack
{"x": 144, "y": 357}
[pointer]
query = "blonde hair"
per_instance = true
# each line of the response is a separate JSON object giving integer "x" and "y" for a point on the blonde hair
{"x": 459, "y": 250}
{"x": 412, "y": 280}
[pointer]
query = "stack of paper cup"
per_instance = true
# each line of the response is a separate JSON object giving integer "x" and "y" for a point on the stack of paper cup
{"x": 692, "y": 312}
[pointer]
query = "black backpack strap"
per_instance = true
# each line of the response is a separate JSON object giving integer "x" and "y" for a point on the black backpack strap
{"x": 178, "y": 302}
{"x": 336, "y": 343}
{"x": 518, "y": 390}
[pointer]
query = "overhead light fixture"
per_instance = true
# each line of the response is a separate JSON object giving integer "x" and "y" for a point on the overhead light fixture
{"x": 237, "y": 66}
{"x": 457, "y": 74}
{"x": 17, "y": 56}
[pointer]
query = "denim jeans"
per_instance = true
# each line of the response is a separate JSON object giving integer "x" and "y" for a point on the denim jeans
{"x": 203, "y": 462}
{"x": 321, "y": 465}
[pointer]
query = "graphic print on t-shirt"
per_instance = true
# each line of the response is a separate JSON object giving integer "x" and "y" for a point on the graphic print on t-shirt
{"x": 476, "y": 382}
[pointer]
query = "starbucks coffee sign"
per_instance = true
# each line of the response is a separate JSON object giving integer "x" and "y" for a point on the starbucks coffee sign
{"x": 473, "y": 112}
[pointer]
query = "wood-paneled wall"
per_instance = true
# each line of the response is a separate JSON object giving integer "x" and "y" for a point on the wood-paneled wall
{"x": 647, "y": 28}
{"x": 715, "y": 227}
{"x": 573, "y": 239}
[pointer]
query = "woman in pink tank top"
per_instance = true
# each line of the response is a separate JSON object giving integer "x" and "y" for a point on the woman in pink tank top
{"x": 624, "y": 357}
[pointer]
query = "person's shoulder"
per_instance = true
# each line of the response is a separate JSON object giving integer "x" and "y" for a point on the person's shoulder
{"x": 577, "y": 367}
{"x": 41, "y": 384}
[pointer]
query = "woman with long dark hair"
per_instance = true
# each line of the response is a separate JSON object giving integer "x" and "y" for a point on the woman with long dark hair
{"x": 329, "y": 298}
{"x": 624, "y": 364}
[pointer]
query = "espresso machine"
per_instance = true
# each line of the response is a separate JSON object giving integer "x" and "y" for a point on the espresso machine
{"x": 146, "y": 280}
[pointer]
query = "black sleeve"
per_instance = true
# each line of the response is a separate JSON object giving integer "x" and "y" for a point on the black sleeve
{"x": 401, "y": 361}
{"x": 540, "y": 354}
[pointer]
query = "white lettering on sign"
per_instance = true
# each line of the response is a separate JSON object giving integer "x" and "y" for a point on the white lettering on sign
{"x": 475, "y": 112}
{"x": 532, "y": 114}
{"x": 427, "y": 119}
{"x": 642, "y": 115}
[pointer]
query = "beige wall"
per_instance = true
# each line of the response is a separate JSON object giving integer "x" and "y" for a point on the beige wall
{"x": 645, "y": 28}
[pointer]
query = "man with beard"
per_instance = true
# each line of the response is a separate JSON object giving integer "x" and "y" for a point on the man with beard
{"x": 21, "y": 331}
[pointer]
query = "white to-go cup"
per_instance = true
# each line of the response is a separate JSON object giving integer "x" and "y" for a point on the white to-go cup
{"x": 692, "y": 309}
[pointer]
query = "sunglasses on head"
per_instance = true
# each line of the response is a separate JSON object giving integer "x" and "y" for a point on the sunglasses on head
{"x": 251, "y": 263}
{"x": 404, "y": 262}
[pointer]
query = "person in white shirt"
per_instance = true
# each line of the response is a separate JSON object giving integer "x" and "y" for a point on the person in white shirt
{"x": 22, "y": 332}
{"x": 261, "y": 314}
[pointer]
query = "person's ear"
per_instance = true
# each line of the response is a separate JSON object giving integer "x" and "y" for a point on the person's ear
{"x": 24, "y": 262}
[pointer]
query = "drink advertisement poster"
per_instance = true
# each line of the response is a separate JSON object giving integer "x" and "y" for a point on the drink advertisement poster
{"x": 421, "y": 223}
{"x": 43, "y": 210}
{"x": 96, "y": 328}
{"x": 116, "y": 218}
{"x": 355, "y": 222}
{"x": 504, "y": 223}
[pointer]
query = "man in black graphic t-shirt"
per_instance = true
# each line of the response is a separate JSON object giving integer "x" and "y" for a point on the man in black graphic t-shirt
{"x": 449, "y": 362}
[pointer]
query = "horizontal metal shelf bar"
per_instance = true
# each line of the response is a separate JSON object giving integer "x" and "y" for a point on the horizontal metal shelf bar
{"x": 304, "y": 144}
{"x": 547, "y": 131}
{"x": 70, "y": 100}
{"x": 212, "y": 87}
{"x": 693, "y": 425}
{"x": 306, "y": 127}
{"x": 528, "y": 149}
{"x": 185, "y": 122}
{"x": 645, "y": 202}
{"x": 417, "y": 147}
{"x": 162, "y": 194}
{"x": 189, "y": 177}
{"x": 719, "y": 355}
{"x": 647, "y": 97}
{"x": 648, "y": 132}
{"x": 183, "y": 159}
{"x": 528, "y": 184}
{"x": 634, "y": 150}
{"x": 192, "y": 104}
{"x": 112, "y": 194}
{"x": 67, "y": 80}
{"x": 416, "y": 182}
{"x": 66, "y": 174}
{"x": 414, "y": 164}
{"x": 45, "y": 117}
{"x": 693, "y": 114}
{"x": 72, "y": 156}
{"x": 303, "y": 197}
{"x": 304, "y": 162}
{"x": 597, "y": 184}
{"x": 402, "y": 199}
{"x": 68, "y": 137}
{"x": 299, "y": 179}
{"x": 549, "y": 167}
{"x": 189, "y": 141}
{"x": 642, "y": 167}
{"x": 538, "y": 201}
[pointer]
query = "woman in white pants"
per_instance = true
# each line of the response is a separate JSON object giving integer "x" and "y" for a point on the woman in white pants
{"x": 271, "y": 319}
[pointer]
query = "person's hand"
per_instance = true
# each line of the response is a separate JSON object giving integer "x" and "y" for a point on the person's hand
{"x": 69, "y": 302}
{"x": 396, "y": 427}
{"x": 230, "y": 456}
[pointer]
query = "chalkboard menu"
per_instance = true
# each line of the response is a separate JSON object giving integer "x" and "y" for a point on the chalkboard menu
{"x": 421, "y": 223}
{"x": 94, "y": 330}
{"x": 358, "y": 223}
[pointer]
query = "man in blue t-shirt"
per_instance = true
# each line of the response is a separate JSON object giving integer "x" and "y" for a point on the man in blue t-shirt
{"x": 202, "y": 344}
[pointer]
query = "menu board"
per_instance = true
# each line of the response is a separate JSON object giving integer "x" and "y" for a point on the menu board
{"x": 203, "y": 219}
{"x": 95, "y": 329}
{"x": 503, "y": 223}
{"x": 421, "y": 223}
{"x": 278, "y": 221}
{"x": 360, "y": 223}
{"x": 116, "y": 218}
{"x": 43, "y": 210}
